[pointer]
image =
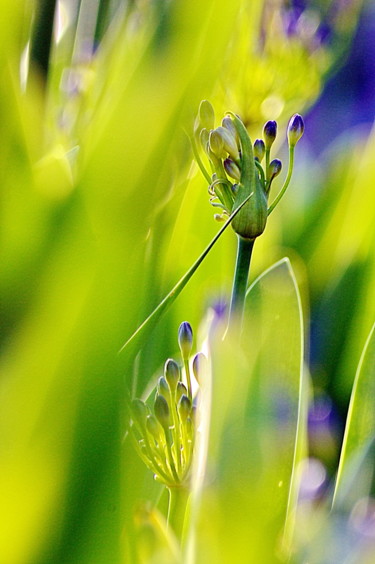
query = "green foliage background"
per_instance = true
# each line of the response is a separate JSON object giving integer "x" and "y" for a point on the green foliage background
{"x": 102, "y": 213}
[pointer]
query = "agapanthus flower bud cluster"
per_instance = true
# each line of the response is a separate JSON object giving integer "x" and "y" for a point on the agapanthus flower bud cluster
{"x": 236, "y": 167}
{"x": 164, "y": 432}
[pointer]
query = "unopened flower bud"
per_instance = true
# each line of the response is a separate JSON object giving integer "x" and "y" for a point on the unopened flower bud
{"x": 232, "y": 169}
{"x": 259, "y": 149}
{"x": 269, "y": 133}
{"x": 163, "y": 388}
{"x": 296, "y": 128}
{"x": 274, "y": 168}
{"x": 185, "y": 339}
{"x": 206, "y": 115}
{"x": 199, "y": 366}
{"x": 161, "y": 410}
{"x": 230, "y": 142}
{"x": 184, "y": 408}
{"x": 181, "y": 390}
{"x": 203, "y": 138}
{"x": 139, "y": 411}
{"x": 172, "y": 373}
{"x": 229, "y": 125}
{"x": 153, "y": 427}
{"x": 216, "y": 144}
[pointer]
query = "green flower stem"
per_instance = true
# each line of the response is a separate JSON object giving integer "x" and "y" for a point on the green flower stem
{"x": 268, "y": 153}
{"x": 244, "y": 251}
{"x": 176, "y": 432}
{"x": 261, "y": 173}
{"x": 286, "y": 183}
{"x": 168, "y": 440}
{"x": 151, "y": 459}
{"x": 188, "y": 379}
{"x": 178, "y": 499}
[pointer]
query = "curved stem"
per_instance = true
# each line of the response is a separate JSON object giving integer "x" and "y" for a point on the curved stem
{"x": 244, "y": 252}
{"x": 286, "y": 183}
{"x": 261, "y": 173}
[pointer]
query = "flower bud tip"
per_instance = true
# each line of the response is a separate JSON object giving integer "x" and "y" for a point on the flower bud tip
{"x": 259, "y": 149}
{"x": 184, "y": 407}
{"x": 274, "y": 168}
{"x": 269, "y": 133}
{"x": 185, "y": 339}
{"x": 199, "y": 366}
{"x": 206, "y": 115}
{"x": 296, "y": 128}
{"x": 161, "y": 410}
{"x": 172, "y": 373}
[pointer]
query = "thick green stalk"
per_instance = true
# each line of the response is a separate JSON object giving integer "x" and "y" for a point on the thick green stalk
{"x": 244, "y": 251}
{"x": 178, "y": 499}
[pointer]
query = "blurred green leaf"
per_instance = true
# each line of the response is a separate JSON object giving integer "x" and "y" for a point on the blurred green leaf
{"x": 257, "y": 428}
{"x": 360, "y": 424}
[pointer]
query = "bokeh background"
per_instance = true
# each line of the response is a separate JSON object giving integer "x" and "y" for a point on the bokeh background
{"x": 103, "y": 211}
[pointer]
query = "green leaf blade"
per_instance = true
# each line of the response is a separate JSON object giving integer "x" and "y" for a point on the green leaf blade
{"x": 257, "y": 430}
{"x": 360, "y": 425}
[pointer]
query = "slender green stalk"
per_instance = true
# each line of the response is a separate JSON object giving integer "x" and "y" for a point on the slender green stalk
{"x": 170, "y": 455}
{"x": 244, "y": 252}
{"x": 268, "y": 152}
{"x": 188, "y": 379}
{"x": 286, "y": 183}
{"x": 178, "y": 499}
{"x": 176, "y": 433}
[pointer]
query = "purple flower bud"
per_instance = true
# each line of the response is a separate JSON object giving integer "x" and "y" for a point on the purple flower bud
{"x": 259, "y": 149}
{"x": 232, "y": 169}
{"x": 296, "y": 128}
{"x": 274, "y": 169}
{"x": 269, "y": 133}
{"x": 185, "y": 339}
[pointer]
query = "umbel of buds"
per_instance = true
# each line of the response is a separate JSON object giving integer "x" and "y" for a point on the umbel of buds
{"x": 236, "y": 169}
{"x": 164, "y": 433}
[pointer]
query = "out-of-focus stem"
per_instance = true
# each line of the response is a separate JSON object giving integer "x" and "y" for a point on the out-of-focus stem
{"x": 178, "y": 499}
